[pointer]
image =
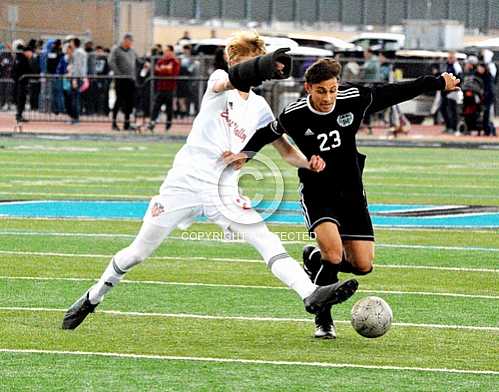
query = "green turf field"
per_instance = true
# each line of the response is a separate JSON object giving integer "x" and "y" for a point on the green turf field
{"x": 208, "y": 316}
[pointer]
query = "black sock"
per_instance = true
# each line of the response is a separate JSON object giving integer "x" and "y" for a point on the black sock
{"x": 328, "y": 273}
{"x": 345, "y": 266}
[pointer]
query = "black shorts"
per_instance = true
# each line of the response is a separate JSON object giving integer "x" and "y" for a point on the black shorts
{"x": 347, "y": 209}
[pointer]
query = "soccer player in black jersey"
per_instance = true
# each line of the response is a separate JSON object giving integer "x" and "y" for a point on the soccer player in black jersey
{"x": 325, "y": 123}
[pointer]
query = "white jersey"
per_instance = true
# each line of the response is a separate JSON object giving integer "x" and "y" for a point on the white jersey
{"x": 226, "y": 122}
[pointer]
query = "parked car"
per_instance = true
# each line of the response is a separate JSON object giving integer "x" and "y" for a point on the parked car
{"x": 208, "y": 46}
{"x": 414, "y": 63}
{"x": 323, "y": 42}
{"x": 380, "y": 41}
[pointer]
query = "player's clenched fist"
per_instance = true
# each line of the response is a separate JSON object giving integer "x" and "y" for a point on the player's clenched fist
{"x": 316, "y": 163}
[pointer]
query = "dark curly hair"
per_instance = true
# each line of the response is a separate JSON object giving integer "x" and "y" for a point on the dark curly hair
{"x": 321, "y": 70}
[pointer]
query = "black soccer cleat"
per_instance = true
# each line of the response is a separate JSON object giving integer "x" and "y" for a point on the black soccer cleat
{"x": 78, "y": 312}
{"x": 324, "y": 325}
{"x": 333, "y": 294}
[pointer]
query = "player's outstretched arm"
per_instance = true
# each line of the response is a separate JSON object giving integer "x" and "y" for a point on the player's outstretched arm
{"x": 296, "y": 158}
{"x": 253, "y": 72}
{"x": 389, "y": 94}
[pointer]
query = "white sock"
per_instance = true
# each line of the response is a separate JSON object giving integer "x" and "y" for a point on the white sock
{"x": 108, "y": 280}
{"x": 292, "y": 275}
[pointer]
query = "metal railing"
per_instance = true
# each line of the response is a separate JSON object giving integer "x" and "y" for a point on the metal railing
{"x": 49, "y": 97}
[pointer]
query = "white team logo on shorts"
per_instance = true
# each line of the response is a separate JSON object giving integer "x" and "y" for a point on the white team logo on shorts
{"x": 344, "y": 120}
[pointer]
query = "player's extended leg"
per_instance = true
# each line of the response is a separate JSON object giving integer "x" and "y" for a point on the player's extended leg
{"x": 149, "y": 238}
{"x": 288, "y": 271}
{"x": 321, "y": 265}
{"x": 157, "y": 225}
{"x": 334, "y": 255}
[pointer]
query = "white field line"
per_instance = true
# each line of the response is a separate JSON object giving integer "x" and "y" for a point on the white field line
{"x": 285, "y": 173}
{"x": 87, "y": 179}
{"x": 446, "y": 229}
{"x": 437, "y": 193}
{"x": 106, "y": 152}
{"x": 243, "y": 286}
{"x": 101, "y": 183}
{"x": 404, "y": 170}
{"x": 236, "y": 260}
{"x": 70, "y": 166}
{"x": 246, "y": 318}
{"x": 286, "y": 191}
{"x": 215, "y": 239}
{"x": 101, "y": 195}
{"x": 250, "y": 361}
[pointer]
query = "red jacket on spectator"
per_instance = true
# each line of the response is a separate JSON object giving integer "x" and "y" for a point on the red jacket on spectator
{"x": 168, "y": 65}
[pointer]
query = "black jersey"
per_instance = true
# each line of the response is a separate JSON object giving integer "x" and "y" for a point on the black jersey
{"x": 332, "y": 135}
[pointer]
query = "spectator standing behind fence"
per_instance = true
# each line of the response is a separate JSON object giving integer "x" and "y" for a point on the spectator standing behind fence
{"x": 22, "y": 67}
{"x": 54, "y": 55}
{"x": 144, "y": 80}
{"x": 487, "y": 56}
{"x": 6, "y": 88}
{"x": 437, "y": 100}
{"x": 78, "y": 74}
{"x": 187, "y": 89}
{"x": 88, "y": 97}
{"x": 167, "y": 66}
{"x": 449, "y": 99}
{"x": 123, "y": 63}
{"x": 370, "y": 73}
{"x": 101, "y": 85}
{"x": 483, "y": 73}
{"x": 64, "y": 72}
{"x": 35, "y": 85}
{"x": 397, "y": 121}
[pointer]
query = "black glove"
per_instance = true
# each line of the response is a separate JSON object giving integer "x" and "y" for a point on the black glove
{"x": 253, "y": 72}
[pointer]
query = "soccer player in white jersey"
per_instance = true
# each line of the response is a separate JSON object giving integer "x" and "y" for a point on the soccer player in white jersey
{"x": 199, "y": 183}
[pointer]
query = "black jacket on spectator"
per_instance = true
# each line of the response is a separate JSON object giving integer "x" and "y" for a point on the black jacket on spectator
{"x": 53, "y": 59}
{"x": 22, "y": 66}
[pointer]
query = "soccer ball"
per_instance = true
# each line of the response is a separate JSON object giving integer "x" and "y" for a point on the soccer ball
{"x": 371, "y": 317}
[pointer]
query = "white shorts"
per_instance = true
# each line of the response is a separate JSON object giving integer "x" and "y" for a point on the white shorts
{"x": 179, "y": 207}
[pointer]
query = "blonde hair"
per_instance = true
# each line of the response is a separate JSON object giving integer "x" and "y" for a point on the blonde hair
{"x": 245, "y": 44}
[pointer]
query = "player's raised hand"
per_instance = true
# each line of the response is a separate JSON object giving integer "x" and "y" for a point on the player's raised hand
{"x": 451, "y": 82}
{"x": 316, "y": 163}
{"x": 237, "y": 161}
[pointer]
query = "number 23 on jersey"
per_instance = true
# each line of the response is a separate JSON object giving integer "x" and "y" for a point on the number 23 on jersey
{"x": 329, "y": 140}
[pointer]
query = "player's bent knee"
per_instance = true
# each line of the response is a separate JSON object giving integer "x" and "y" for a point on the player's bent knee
{"x": 332, "y": 255}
